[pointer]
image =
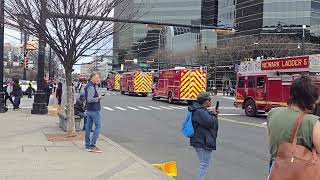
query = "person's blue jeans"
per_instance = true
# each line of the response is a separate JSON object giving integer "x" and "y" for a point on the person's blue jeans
{"x": 204, "y": 157}
{"x": 92, "y": 117}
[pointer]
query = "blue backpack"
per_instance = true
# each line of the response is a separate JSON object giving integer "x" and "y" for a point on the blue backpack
{"x": 187, "y": 127}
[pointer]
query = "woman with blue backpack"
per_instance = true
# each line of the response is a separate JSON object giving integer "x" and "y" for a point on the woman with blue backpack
{"x": 201, "y": 126}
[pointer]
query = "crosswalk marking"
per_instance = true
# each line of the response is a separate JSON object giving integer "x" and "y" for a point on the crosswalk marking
{"x": 135, "y": 109}
{"x": 177, "y": 107}
{"x": 114, "y": 93}
{"x": 108, "y": 108}
{"x": 165, "y": 107}
{"x": 122, "y": 109}
{"x": 154, "y": 107}
{"x": 108, "y": 94}
{"x": 144, "y": 108}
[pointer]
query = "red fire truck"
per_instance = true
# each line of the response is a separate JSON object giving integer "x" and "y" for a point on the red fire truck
{"x": 134, "y": 83}
{"x": 263, "y": 85}
{"x": 113, "y": 82}
{"x": 180, "y": 84}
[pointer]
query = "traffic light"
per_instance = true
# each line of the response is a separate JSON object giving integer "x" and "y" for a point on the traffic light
{"x": 26, "y": 62}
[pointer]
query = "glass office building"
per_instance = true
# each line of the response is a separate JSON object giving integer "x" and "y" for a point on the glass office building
{"x": 258, "y": 16}
{"x": 174, "y": 11}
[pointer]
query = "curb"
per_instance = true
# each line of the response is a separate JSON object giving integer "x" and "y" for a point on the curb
{"x": 147, "y": 165}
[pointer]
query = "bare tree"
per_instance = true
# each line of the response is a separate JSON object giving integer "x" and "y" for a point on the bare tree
{"x": 69, "y": 38}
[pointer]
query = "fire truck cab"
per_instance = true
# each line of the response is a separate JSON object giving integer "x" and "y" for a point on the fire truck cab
{"x": 180, "y": 84}
{"x": 266, "y": 84}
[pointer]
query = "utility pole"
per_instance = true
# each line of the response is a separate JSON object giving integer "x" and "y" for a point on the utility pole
{"x": 25, "y": 53}
{"x": 39, "y": 105}
{"x": 3, "y": 109}
{"x": 50, "y": 61}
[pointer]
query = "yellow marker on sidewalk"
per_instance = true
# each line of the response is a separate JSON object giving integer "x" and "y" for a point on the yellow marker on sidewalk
{"x": 170, "y": 168}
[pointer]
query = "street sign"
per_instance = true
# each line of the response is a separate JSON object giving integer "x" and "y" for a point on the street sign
{"x": 144, "y": 65}
{"x": 15, "y": 63}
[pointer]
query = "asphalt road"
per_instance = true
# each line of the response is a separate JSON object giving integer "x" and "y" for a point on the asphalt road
{"x": 151, "y": 129}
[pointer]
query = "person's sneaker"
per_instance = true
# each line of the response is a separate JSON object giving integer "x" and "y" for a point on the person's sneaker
{"x": 89, "y": 149}
{"x": 96, "y": 150}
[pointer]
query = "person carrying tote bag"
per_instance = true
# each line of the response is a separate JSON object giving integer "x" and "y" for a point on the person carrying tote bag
{"x": 294, "y": 135}
{"x": 296, "y": 162}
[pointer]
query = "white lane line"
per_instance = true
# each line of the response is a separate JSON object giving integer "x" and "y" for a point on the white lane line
{"x": 108, "y": 108}
{"x": 135, "y": 109}
{"x": 122, "y": 109}
{"x": 114, "y": 93}
{"x": 108, "y": 94}
{"x": 165, "y": 107}
{"x": 231, "y": 114}
{"x": 265, "y": 123}
{"x": 177, "y": 107}
{"x": 154, "y": 107}
{"x": 144, "y": 108}
{"x": 228, "y": 108}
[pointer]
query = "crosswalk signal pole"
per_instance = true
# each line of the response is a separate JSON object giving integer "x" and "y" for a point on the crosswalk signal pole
{"x": 3, "y": 109}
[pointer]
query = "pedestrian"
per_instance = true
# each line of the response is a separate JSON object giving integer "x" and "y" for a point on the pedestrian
{"x": 59, "y": 92}
{"x": 8, "y": 88}
{"x": 54, "y": 86}
{"x": 93, "y": 108}
{"x": 303, "y": 96}
{"x": 205, "y": 124}
{"x": 79, "y": 108}
{"x": 48, "y": 90}
{"x": 17, "y": 93}
{"x": 30, "y": 89}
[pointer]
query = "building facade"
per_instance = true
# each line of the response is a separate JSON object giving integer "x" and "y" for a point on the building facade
{"x": 139, "y": 39}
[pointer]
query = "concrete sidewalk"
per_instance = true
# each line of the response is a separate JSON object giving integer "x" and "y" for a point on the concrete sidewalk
{"x": 26, "y": 154}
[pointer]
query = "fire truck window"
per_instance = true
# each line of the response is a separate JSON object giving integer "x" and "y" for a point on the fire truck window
{"x": 260, "y": 82}
{"x": 241, "y": 83}
{"x": 251, "y": 82}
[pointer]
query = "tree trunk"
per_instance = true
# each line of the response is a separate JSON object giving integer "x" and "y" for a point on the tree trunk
{"x": 70, "y": 105}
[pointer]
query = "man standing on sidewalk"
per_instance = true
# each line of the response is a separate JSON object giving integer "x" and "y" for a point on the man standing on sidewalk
{"x": 93, "y": 113}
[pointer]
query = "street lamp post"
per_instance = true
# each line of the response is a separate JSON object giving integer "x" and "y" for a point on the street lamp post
{"x": 39, "y": 105}
{"x": 3, "y": 109}
{"x": 303, "y": 39}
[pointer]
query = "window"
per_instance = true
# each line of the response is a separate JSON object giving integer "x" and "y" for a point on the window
{"x": 241, "y": 82}
{"x": 251, "y": 83}
{"x": 260, "y": 82}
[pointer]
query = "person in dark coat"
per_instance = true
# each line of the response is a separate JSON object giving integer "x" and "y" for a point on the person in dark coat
{"x": 59, "y": 93}
{"x": 79, "y": 108}
{"x": 8, "y": 92}
{"x": 17, "y": 93}
{"x": 205, "y": 124}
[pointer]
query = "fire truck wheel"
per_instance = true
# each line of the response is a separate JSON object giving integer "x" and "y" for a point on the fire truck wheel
{"x": 250, "y": 108}
{"x": 170, "y": 98}
{"x": 122, "y": 92}
{"x": 144, "y": 94}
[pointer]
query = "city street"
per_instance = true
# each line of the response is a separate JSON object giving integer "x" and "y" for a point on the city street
{"x": 151, "y": 129}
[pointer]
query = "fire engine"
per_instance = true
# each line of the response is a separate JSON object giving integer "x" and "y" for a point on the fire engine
{"x": 180, "y": 84}
{"x": 263, "y": 85}
{"x": 113, "y": 82}
{"x": 137, "y": 82}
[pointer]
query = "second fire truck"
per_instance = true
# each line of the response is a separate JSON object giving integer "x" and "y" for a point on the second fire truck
{"x": 266, "y": 84}
{"x": 180, "y": 84}
{"x": 137, "y": 82}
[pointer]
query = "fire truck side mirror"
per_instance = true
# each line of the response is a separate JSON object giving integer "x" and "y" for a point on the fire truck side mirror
{"x": 278, "y": 73}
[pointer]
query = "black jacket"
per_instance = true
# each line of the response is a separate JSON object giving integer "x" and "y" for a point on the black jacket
{"x": 79, "y": 107}
{"x": 205, "y": 126}
{"x": 16, "y": 91}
